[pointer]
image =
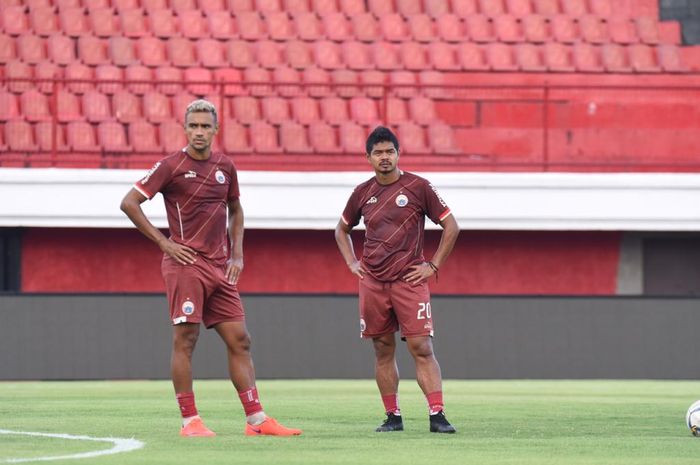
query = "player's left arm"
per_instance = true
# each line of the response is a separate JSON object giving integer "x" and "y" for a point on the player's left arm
{"x": 235, "y": 231}
{"x": 423, "y": 271}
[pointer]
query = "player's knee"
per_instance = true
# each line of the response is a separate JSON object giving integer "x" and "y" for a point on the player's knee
{"x": 242, "y": 343}
{"x": 421, "y": 349}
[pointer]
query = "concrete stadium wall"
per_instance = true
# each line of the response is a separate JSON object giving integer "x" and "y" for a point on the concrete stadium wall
{"x": 317, "y": 336}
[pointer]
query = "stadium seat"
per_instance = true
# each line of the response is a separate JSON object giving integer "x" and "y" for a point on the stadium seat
{"x": 245, "y": 109}
{"x": 126, "y": 107}
{"x": 519, "y": 8}
{"x": 122, "y": 5}
{"x": 62, "y": 4}
{"x": 211, "y": 53}
{"x": 363, "y": 110}
{"x": 564, "y": 30}
{"x": 193, "y": 25}
{"x": 19, "y": 75}
{"x": 412, "y": 137}
{"x": 422, "y": 110}
{"x": 365, "y": 27}
{"x": 67, "y": 107}
{"x": 422, "y": 28}
{"x": 373, "y": 83}
{"x": 250, "y": 26}
{"x": 133, "y": 23}
{"x": 151, "y": 52}
{"x": 316, "y": 81}
{"x": 622, "y": 31}
{"x": 179, "y": 103}
{"x": 279, "y": 26}
{"x": 163, "y": 24}
{"x": 529, "y": 58}
{"x": 240, "y": 54}
{"x": 296, "y": 6}
{"x": 394, "y": 28}
{"x": 95, "y": 107}
{"x": 471, "y": 57}
{"x": 441, "y": 139}
{"x": 288, "y": 80}
{"x": 143, "y": 137}
{"x": 156, "y": 107}
{"x": 112, "y": 137}
{"x": 171, "y": 136}
{"x": 199, "y": 81}
{"x": 334, "y": 110}
{"x": 80, "y": 137}
{"x": 109, "y": 78}
{"x": 293, "y": 138}
{"x": 275, "y": 110}
{"x": 437, "y": 8}
{"x": 450, "y": 28}
{"x": 121, "y": 51}
{"x": 500, "y": 57}
{"x": 7, "y": 49}
{"x": 154, "y": 5}
{"x": 508, "y": 29}
{"x": 408, "y": 8}
{"x": 345, "y": 83}
{"x": 464, "y": 8}
{"x": 352, "y": 138}
{"x": 181, "y": 6}
{"x": 14, "y": 20}
{"x": 61, "y": 50}
{"x": 181, "y": 52}
{"x": 30, "y": 49}
{"x": 324, "y": 7}
{"x": 479, "y": 28}
{"x": 546, "y": 7}
{"x": 535, "y": 29}
{"x": 267, "y": 6}
{"x": 614, "y": 59}
{"x": 337, "y": 27}
{"x": 327, "y": 55}
{"x": 221, "y": 25}
{"x": 103, "y": 23}
{"x": 80, "y": 77}
{"x": 352, "y": 8}
{"x": 403, "y": 83}
{"x": 558, "y": 57}
{"x": 139, "y": 78}
{"x": 264, "y": 138}
{"x": 443, "y": 56}
{"x": 93, "y": 4}
{"x": 643, "y": 58}
{"x": 92, "y": 51}
{"x": 380, "y": 8}
{"x": 647, "y": 30}
{"x": 356, "y": 55}
{"x": 323, "y": 138}
{"x": 19, "y": 136}
{"x": 305, "y": 110}
{"x": 601, "y": 8}
{"x": 235, "y": 138}
{"x": 386, "y": 56}
{"x": 9, "y": 108}
{"x": 259, "y": 81}
{"x": 593, "y": 30}
{"x": 670, "y": 59}
{"x": 491, "y": 8}
{"x": 44, "y": 136}
{"x": 308, "y": 27}
{"x": 574, "y": 8}
{"x": 44, "y": 72}
{"x": 237, "y": 6}
{"x": 396, "y": 111}
{"x": 268, "y": 54}
{"x": 44, "y": 21}
{"x": 231, "y": 78}
{"x": 413, "y": 56}
{"x": 297, "y": 54}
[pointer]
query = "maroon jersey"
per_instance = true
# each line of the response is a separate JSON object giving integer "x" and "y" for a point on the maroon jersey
{"x": 394, "y": 217}
{"x": 196, "y": 193}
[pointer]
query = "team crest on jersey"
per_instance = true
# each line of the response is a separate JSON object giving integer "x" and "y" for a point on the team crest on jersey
{"x": 188, "y": 307}
{"x": 363, "y": 325}
{"x": 401, "y": 200}
{"x": 219, "y": 176}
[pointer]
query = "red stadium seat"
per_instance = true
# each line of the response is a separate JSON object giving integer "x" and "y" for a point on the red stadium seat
{"x": 275, "y": 110}
{"x": 412, "y": 137}
{"x": 365, "y": 27}
{"x": 170, "y": 79}
{"x": 279, "y": 26}
{"x": 121, "y": 5}
{"x": 289, "y": 81}
{"x": 93, "y": 4}
{"x": 171, "y": 136}
{"x": 643, "y": 59}
{"x": 264, "y": 138}
{"x": 151, "y": 52}
{"x": 163, "y": 24}
{"x": 103, "y": 22}
{"x": 450, "y": 28}
{"x": 394, "y": 28}
{"x": 396, "y": 111}
{"x": 181, "y": 52}
{"x": 267, "y": 6}
{"x": 67, "y": 107}
{"x": 587, "y": 59}
{"x": 82, "y": 77}
{"x": 334, "y": 110}
{"x": 235, "y": 138}
{"x": 519, "y": 8}
{"x": 529, "y": 58}
{"x": 500, "y": 57}
{"x": 564, "y": 30}
{"x": 14, "y": 20}
{"x": 193, "y": 25}
{"x": 622, "y": 31}
{"x": 293, "y": 138}
{"x": 199, "y": 80}
{"x": 323, "y": 138}
{"x": 352, "y": 138}
{"x": 237, "y": 6}
{"x": 121, "y": 51}
{"x": 9, "y": 108}
{"x": 19, "y": 74}
{"x": 19, "y": 136}
{"x": 231, "y": 79}
{"x": 380, "y": 8}
{"x": 337, "y": 27}
{"x": 508, "y": 29}
{"x": 259, "y": 81}
{"x": 363, "y": 110}
{"x": 308, "y": 27}
{"x": 109, "y": 78}
{"x": 156, "y": 107}
{"x": 316, "y": 81}
{"x": 245, "y": 110}
{"x": 31, "y": 49}
{"x": 133, "y": 23}
{"x": 601, "y": 8}
{"x": 574, "y": 8}
{"x": 615, "y": 59}
{"x": 268, "y": 54}
{"x": 437, "y": 8}
{"x": 409, "y": 7}
{"x": 422, "y": 28}
{"x": 491, "y": 8}
{"x": 305, "y": 110}
{"x": 356, "y": 55}
{"x": 63, "y": 4}
{"x": 480, "y": 28}
{"x": 140, "y": 78}
{"x": 240, "y": 54}
{"x": 413, "y": 56}
{"x": 250, "y": 26}
{"x": 221, "y": 25}
{"x": 61, "y": 50}
{"x": 143, "y": 137}
{"x": 181, "y": 6}
{"x": 441, "y": 139}
{"x": 324, "y": 7}
{"x": 80, "y": 136}
{"x": 327, "y": 55}
{"x": 296, "y": 6}
{"x": 211, "y": 53}
{"x": 546, "y": 7}
{"x": 432, "y": 82}
{"x": 44, "y": 136}
{"x": 92, "y": 51}
{"x": 126, "y": 107}
{"x": 558, "y": 57}
{"x": 44, "y": 21}
{"x": 179, "y": 103}
{"x": 154, "y": 5}
{"x": 112, "y": 137}
{"x": 7, "y": 48}
{"x": 648, "y": 30}
{"x": 464, "y": 8}
{"x": 593, "y": 30}
{"x": 43, "y": 73}
{"x": 403, "y": 83}
{"x": 386, "y": 56}
{"x": 96, "y": 107}
{"x": 352, "y": 8}
{"x": 443, "y": 56}
{"x": 535, "y": 29}
{"x": 345, "y": 83}
{"x": 422, "y": 110}
{"x": 471, "y": 57}
{"x": 298, "y": 55}
{"x": 670, "y": 59}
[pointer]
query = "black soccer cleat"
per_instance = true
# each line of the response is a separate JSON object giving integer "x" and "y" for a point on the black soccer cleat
{"x": 694, "y": 429}
{"x": 392, "y": 423}
{"x": 439, "y": 424}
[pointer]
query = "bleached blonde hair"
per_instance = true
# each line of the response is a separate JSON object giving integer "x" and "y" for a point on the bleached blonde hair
{"x": 204, "y": 106}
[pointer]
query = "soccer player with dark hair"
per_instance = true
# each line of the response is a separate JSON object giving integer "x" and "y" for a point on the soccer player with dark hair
{"x": 202, "y": 261}
{"x": 393, "y": 273}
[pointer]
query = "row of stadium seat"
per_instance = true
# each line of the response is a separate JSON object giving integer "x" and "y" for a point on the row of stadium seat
{"x": 259, "y": 137}
{"x": 336, "y": 27}
{"x": 380, "y": 8}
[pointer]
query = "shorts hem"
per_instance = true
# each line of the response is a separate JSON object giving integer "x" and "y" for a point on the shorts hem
{"x": 236, "y": 319}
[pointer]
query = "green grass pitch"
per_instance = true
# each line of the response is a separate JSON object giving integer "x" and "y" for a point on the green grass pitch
{"x": 498, "y": 422}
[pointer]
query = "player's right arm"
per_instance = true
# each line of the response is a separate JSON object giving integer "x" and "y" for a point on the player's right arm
{"x": 131, "y": 205}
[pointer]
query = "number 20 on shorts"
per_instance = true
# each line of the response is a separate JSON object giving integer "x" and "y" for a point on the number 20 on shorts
{"x": 424, "y": 311}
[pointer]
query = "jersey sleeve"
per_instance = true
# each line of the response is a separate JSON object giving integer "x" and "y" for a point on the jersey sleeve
{"x": 352, "y": 213}
{"x": 155, "y": 180}
{"x": 233, "y": 188}
{"x": 436, "y": 208}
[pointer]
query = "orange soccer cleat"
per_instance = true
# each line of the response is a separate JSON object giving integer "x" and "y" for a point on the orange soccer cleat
{"x": 196, "y": 428}
{"x": 270, "y": 427}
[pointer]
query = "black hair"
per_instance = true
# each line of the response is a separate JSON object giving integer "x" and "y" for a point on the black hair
{"x": 381, "y": 134}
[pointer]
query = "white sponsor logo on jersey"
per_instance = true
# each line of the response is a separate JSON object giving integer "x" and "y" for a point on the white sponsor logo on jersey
{"x": 401, "y": 200}
{"x": 190, "y": 174}
{"x": 150, "y": 173}
{"x": 219, "y": 176}
{"x": 372, "y": 199}
{"x": 188, "y": 307}
{"x": 442, "y": 202}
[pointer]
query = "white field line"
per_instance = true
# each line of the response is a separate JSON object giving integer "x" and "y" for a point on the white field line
{"x": 119, "y": 445}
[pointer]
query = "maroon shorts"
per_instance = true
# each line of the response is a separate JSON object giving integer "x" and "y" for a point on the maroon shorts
{"x": 200, "y": 293}
{"x": 386, "y": 307}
